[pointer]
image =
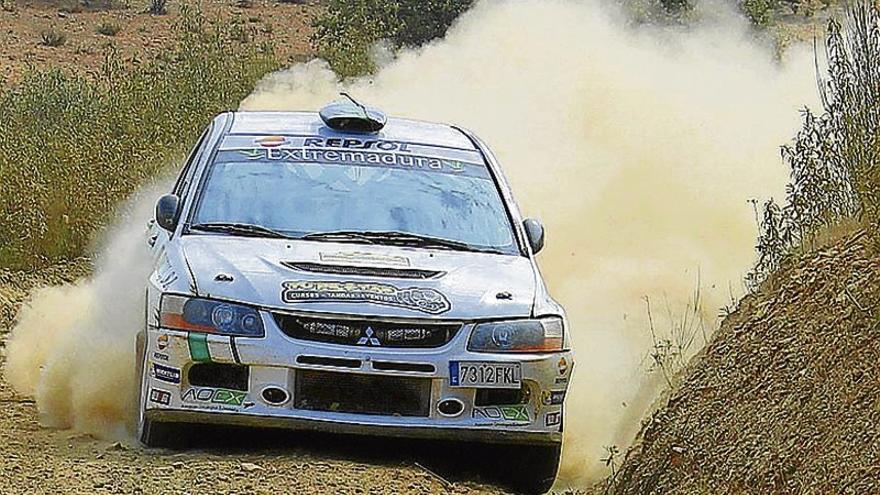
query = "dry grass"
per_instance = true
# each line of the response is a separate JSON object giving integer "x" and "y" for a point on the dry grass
{"x": 108, "y": 28}
{"x": 835, "y": 158}
{"x": 71, "y": 147}
{"x": 52, "y": 38}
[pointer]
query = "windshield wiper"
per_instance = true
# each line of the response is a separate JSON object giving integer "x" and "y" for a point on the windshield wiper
{"x": 246, "y": 229}
{"x": 397, "y": 238}
{"x": 340, "y": 236}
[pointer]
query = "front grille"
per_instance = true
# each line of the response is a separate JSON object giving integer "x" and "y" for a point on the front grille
{"x": 366, "y": 271}
{"x": 361, "y": 394}
{"x": 366, "y": 333}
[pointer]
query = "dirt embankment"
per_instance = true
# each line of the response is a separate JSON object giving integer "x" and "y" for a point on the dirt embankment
{"x": 786, "y": 399}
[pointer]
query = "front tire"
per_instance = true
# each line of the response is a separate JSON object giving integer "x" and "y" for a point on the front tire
{"x": 532, "y": 469}
{"x": 161, "y": 435}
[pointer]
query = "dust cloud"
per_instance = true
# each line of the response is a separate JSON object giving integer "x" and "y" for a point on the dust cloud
{"x": 640, "y": 149}
{"x": 72, "y": 348}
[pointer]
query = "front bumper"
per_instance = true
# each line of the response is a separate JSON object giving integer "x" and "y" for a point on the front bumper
{"x": 481, "y": 435}
{"x": 276, "y": 361}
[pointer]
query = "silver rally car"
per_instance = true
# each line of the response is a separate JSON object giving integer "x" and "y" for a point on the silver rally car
{"x": 345, "y": 272}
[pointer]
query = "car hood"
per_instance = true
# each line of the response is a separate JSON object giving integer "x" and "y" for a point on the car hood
{"x": 363, "y": 279}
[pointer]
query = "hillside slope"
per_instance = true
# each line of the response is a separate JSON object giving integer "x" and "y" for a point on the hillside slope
{"x": 786, "y": 398}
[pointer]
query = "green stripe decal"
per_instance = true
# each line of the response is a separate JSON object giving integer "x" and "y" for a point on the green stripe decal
{"x": 198, "y": 347}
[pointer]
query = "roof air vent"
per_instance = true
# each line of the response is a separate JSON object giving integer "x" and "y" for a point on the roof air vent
{"x": 351, "y": 116}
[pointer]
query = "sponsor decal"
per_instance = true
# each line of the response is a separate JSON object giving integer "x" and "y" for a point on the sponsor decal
{"x": 552, "y": 397}
{"x": 270, "y": 141}
{"x": 160, "y": 357}
{"x": 166, "y": 374}
{"x": 426, "y": 300}
{"x": 365, "y": 258}
{"x": 162, "y": 341}
{"x": 518, "y": 413}
{"x": 561, "y": 380}
{"x": 354, "y": 143}
{"x": 160, "y": 396}
{"x": 382, "y": 159}
{"x": 562, "y": 366}
{"x": 214, "y": 396}
{"x": 553, "y": 418}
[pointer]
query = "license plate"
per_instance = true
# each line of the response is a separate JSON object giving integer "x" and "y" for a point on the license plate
{"x": 484, "y": 374}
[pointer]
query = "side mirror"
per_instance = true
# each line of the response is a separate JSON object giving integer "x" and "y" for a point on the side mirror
{"x": 166, "y": 212}
{"x": 535, "y": 234}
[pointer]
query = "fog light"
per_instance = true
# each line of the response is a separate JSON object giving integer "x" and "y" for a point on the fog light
{"x": 274, "y": 395}
{"x": 450, "y": 407}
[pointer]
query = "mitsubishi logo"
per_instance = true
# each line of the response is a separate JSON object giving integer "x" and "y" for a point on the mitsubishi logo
{"x": 369, "y": 338}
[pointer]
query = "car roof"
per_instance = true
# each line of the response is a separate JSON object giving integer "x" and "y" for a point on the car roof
{"x": 310, "y": 124}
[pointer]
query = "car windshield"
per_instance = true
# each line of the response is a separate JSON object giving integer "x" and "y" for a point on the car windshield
{"x": 343, "y": 201}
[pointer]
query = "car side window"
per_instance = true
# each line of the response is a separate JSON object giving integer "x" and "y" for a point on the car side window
{"x": 184, "y": 178}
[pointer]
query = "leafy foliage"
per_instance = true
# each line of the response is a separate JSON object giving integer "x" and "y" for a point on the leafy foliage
{"x": 759, "y": 12}
{"x": 348, "y": 29}
{"x": 71, "y": 147}
{"x": 835, "y": 158}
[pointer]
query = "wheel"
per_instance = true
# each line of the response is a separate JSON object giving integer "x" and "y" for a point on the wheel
{"x": 532, "y": 469}
{"x": 165, "y": 435}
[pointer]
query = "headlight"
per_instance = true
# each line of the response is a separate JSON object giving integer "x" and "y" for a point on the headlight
{"x": 542, "y": 335}
{"x": 204, "y": 315}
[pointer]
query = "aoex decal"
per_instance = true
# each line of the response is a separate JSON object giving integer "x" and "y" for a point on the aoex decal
{"x": 215, "y": 396}
{"x": 508, "y": 413}
{"x": 421, "y": 299}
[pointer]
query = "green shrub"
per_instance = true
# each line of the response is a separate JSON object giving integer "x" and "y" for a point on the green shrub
{"x": 423, "y": 21}
{"x": 759, "y": 12}
{"x": 108, "y": 28}
{"x": 71, "y": 147}
{"x": 347, "y": 30}
{"x": 835, "y": 158}
{"x": 52, "y": 38}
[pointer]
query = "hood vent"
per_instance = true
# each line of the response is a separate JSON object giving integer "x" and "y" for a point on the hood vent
{"x": 365, "y": 271}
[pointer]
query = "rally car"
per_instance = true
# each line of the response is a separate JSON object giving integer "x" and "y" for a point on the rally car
{"x": 346, "y": 272}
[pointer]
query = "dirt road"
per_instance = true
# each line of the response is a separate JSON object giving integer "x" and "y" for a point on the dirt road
{"x": 36, "y": 460}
